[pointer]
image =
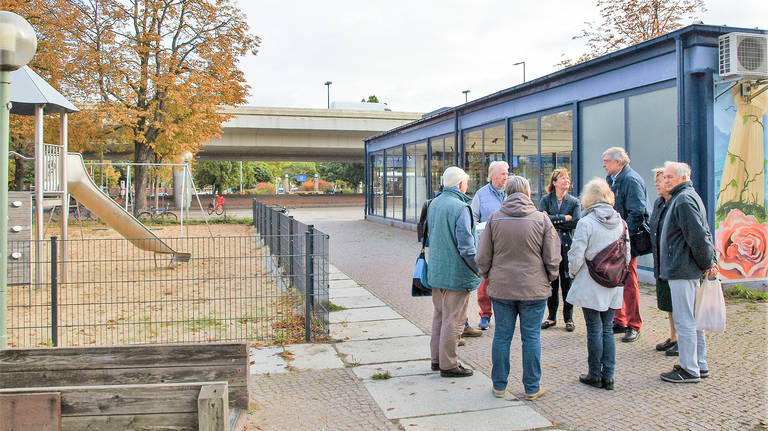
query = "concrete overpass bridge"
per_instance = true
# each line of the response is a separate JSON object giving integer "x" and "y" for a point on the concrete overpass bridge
{"x": 299, "y": 134}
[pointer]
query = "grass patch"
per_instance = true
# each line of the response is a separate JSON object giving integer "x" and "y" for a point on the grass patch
{"x": 739, "y": 292}
{"x": 382, "y": 376}
{"x": 334, "y": 307}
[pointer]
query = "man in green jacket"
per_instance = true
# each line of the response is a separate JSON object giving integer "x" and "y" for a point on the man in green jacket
{"x": 452, "y": 271}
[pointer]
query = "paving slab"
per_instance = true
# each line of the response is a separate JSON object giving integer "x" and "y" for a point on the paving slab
{"x": 314, "y": 356}
{"x": 358, "y": 301}
{"x": 337, "y": 276}
{"x": 363, "y": 315}
{"x": 403, "y": 397}
{"x": 344, "y": 292}
{"x": 396, "y": 369}
{"x": 340, "y": 284}
{"x": 387, "y": 350}
{"x": 266, "y": 360}
{"x": 507, "y": 418}
{"x": 374, "y": 330}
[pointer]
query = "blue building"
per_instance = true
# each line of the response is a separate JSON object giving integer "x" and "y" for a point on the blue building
{"x": 661, "y": 100}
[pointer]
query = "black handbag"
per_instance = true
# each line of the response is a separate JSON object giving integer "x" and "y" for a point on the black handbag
{"x": 640, "y": 241}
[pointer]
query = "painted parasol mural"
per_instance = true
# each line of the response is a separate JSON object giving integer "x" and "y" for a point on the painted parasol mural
{"x": 741, "y": 147}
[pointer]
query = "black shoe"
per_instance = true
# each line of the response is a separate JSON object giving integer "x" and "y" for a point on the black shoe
{"x": 435, "y": 366}
{"x": 591, "y": 381}
{"x": 702, "y": 373}
{"x": 672, "y": 351}
{"x": 666, "y": 345}
{"x": 569, "y": 326}
{"x": 456, "y": 372}
{"x": 618, "y": 329}
{"x": 607, "y": 384}
{"x": 679, "y": 375}
{"x": 631, "y": 336}
{"x": 547, "y": 324}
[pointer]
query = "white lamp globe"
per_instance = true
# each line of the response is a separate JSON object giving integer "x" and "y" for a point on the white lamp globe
{"x": 18, "y": 41}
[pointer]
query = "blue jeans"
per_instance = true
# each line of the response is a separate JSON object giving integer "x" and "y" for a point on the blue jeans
{"x": 601, "y": 347}
{"x": 531, "y": 314}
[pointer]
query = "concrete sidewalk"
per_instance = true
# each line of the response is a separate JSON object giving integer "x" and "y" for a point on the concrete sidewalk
{"x": 339, "y": 386}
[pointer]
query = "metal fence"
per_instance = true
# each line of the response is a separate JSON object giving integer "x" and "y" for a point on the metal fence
{"x": 300, "y": 258}
{"x": 110, "y": 292}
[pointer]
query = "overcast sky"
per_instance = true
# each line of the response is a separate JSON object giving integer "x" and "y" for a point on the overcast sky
{"x": 419, "y": 55}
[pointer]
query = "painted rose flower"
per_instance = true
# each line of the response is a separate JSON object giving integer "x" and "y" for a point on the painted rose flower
{"x": 741, "y": 244}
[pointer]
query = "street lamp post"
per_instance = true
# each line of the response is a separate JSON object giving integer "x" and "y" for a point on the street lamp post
{"x": 466, "y": 98}
{"x": 519, "y": 63}
{"x": 328, "y": 86}
{"x": 18, "y": 43}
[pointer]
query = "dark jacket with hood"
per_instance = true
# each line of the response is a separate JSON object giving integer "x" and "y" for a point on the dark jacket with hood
{"x": 519, "y": 251}
{"x": 686, "y": 246}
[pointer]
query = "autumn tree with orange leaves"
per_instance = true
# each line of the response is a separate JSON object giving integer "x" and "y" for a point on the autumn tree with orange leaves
{"x": 628, "y": 22}
{"x": 150, "y": 74}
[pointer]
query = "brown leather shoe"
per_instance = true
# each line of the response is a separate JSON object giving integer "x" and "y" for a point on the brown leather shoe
{"x": 471, "y": 332}
{"x": 456, "y": 372}
{"x": 462, "y": 341}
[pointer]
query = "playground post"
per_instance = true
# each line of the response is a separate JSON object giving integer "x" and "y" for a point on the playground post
{"x": 18, "y": 44}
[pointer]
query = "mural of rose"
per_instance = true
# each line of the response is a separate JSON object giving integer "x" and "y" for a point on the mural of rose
{"x": 741, "y": 243}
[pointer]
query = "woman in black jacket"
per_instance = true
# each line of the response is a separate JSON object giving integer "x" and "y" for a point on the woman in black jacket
{"x": 564, "y": 210}
{"x": 663, "y": 294}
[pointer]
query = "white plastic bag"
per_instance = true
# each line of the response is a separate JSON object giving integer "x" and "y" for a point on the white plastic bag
{"x": 710, "y": 307}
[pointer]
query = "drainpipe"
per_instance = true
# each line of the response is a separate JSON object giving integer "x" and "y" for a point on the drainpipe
{"x": 680, "y": 78}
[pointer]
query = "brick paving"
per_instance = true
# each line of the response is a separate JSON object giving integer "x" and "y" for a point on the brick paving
{"x": 733, "y": 398}
{"x": 331, "y": 399}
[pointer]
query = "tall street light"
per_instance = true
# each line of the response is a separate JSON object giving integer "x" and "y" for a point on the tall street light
{"x": 466, "y": 92}
{"x": 519, "y": 63}
{"x": 328, "y": 85}
{"x": 18, "y": 44}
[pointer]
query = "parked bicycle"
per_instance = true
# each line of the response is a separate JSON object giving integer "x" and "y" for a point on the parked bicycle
{"x": 217, "y": 206}
{"x": 158, "y": 215}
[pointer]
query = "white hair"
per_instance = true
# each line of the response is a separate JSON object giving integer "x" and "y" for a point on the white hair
{"x": 517, "y": 184}
{"x": 495, "y": 167}
{"x": 617, "y": 153}
{"x": 682, "y": 170}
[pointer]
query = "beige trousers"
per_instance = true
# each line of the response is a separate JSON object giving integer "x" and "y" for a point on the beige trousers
{"x": 447, "y": 325}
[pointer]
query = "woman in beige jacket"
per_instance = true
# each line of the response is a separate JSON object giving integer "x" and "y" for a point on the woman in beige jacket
{"x": 519, "y": 254}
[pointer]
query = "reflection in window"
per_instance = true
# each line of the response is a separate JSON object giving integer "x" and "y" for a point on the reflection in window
{"x": 450, "y": 152}
{"x": 436, "y": 163}
{"x": 525, "y": 153}
{"x": 493, "y": 148}
{"x": 415, "y": 179}
{"x": 556, "y": 145}
{"x": 394, "y": 187}
{"x": 602, "y": 127}
{"x": 473, "y": 159}
{"x": 377, "y": 183}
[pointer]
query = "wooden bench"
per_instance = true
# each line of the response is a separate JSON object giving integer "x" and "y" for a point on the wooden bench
{"x": 75, "y": 371}
{"x": 126, "y": 365}
{"x": 178, "y": 406}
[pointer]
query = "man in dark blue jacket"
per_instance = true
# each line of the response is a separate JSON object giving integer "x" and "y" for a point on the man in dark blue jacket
{"x": 686, "y": 253}
{"x": 629, "y": 190}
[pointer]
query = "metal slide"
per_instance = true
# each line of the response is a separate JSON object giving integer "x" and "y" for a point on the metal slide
{"x": 82, "y": 187}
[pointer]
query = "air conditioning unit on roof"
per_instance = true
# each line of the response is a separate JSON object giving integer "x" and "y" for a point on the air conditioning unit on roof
{"x": 743, "y": 55}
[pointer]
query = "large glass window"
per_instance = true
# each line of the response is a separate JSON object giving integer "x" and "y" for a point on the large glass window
{"x": 450, "y": 152}
{"x": 436, "y": 166}
{"x": 602, "y": 127}
{"x": 415, "y": 179}
{"x": 494, "y": 143}
{"x": 473, "y": 159}
{"x": 556, "y": 145}
{"x": 394, "y": 189}
{"x": 377, "y": 183}
{"x": 525, "y": 153}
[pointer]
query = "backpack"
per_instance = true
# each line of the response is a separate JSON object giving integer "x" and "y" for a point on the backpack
{"x": 609, "y": 267}
{"x": 422, "y": 230}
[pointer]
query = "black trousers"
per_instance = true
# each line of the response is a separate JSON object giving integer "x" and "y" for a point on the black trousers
{"x": 562, "y": 283}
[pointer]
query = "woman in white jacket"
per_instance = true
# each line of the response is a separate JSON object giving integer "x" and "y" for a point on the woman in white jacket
{"x": 599, "y": 226}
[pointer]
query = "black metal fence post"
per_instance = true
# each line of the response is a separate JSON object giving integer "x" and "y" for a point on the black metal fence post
{"x": 253, "y": 216}
{"x": 279, "y": 239}
{"x": 290, "y": 251}
{"x": 54, "y": 291}
{"x": 308, "y": 286}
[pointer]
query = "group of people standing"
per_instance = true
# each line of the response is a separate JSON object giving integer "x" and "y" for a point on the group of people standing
{"x": 522, "y": 258}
